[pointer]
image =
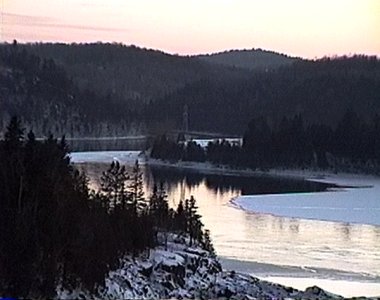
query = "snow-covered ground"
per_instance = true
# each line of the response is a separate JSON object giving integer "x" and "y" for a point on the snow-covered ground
{"x": 360, "y": 203}
{"x": 343, "y": 283}
{"x": 204, "y": 142}
{"x": 345, "y": 288}
{"x": 107, "y": 138}
{"x": 124, "y": 157}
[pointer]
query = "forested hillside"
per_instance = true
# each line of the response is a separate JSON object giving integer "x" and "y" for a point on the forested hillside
{"x": 114, "y": 90}
{"x": 254, "y": 59}
{"x": 49, "y": 101}
{"x": 93, "y": 89}
{"x": 129, "y": 74}
{"x": 320, "y": 91}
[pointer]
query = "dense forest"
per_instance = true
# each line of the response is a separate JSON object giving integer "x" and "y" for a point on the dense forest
{"x": 131, "y": 74}
{"x": 49, "y": 101}
{"x": 117, "y": 90}
{"x": 352, "y": 146}
{"x": 55, "y": 232}
{"x": 92, "y": 89}
{"x": 322, "y": 91}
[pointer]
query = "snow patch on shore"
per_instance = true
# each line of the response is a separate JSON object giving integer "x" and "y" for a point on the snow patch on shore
{"x": 123, "y": 157}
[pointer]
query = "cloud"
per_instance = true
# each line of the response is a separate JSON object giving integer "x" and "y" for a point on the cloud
{"x": 19, "y": 18}
{"x": 12, "y": 19}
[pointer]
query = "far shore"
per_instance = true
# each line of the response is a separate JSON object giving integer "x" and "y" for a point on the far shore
{"x": 341, "y": 179}
{"x": 328, "y": 176}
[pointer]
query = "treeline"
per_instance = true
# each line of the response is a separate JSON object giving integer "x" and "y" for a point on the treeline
{"x": 352, "y": 146}
{"x": 55, "y": 232}
{"x": 218, "y": 152}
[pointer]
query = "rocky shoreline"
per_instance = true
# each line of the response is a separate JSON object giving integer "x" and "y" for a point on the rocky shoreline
{"x": 178, "y": 271}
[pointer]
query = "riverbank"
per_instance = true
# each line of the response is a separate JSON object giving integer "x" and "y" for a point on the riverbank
{"x": 346, "y": 284}
{"x": 343, "y": 180}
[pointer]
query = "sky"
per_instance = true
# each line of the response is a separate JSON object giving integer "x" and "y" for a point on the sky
{"x": 305, "y": 28}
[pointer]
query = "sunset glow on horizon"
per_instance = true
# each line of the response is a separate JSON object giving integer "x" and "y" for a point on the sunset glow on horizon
{"x": 295, "y": 27}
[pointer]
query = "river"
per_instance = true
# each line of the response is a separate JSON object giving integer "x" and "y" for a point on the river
{"x": 341, "y": 257}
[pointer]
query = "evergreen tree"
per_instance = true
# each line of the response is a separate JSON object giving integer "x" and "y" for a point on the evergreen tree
{"x": 53, "y": 230}
{"x": 163, "y": 207}
{"x": 113, "y": 185}
{"x": 207, "y": 243}
{"x": 136, "y": 191}
{"x": 180, "y": 217}
{"x": 153, "y": 202}
{"x": 15, "y": 133}
{"x": 194, "y": 223}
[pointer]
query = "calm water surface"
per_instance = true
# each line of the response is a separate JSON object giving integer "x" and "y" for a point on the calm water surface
{"x": 269, "y": 245}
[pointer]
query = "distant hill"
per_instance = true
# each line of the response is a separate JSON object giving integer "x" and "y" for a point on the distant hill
{"x": 130, "y": 74}
{"x": 103, "y": 87}
{"x": 112, "y": 89}
{"x": 254, "y": 59}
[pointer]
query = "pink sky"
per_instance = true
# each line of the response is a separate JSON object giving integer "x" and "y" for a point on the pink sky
{"x": 307, "y": 28}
